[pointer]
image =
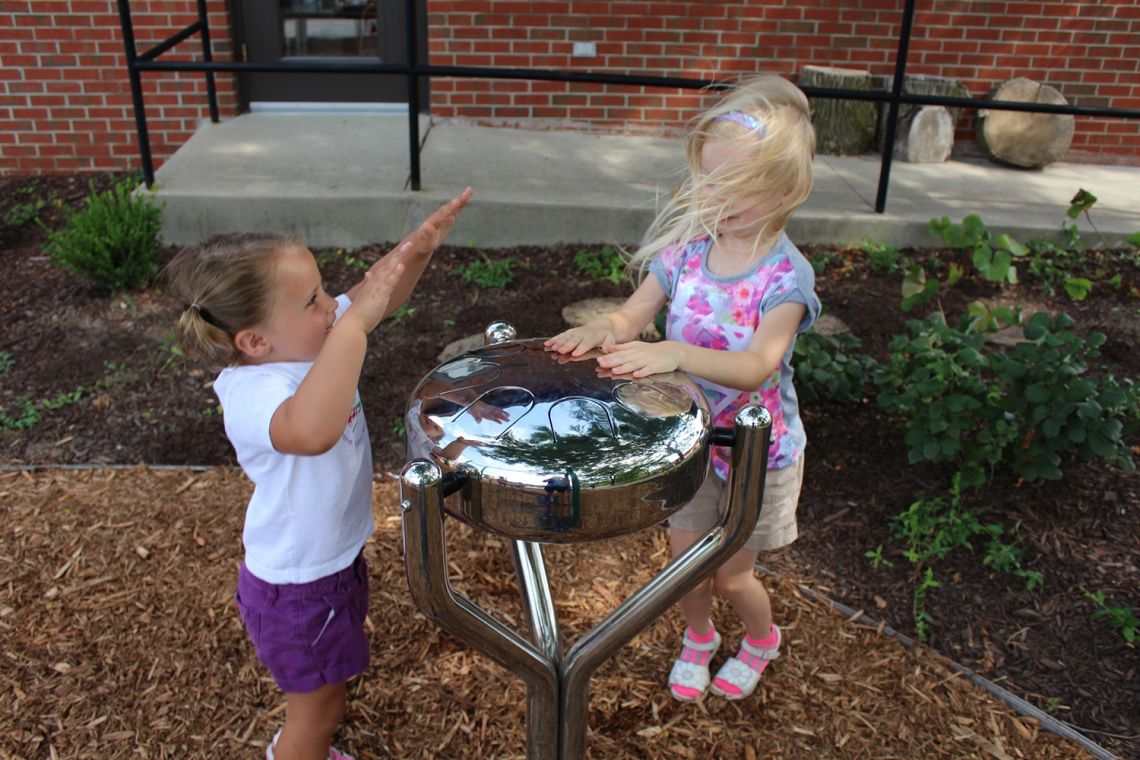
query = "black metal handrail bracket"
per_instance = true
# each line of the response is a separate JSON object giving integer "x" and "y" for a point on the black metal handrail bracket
{"x": 414, "y": 70}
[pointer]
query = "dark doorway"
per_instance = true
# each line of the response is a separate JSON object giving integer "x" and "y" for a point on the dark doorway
{"x": 280, "y": 30}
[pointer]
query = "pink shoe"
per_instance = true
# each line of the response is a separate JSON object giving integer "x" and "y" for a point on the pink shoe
{"x": 738, "y": 677}
{"x": 334, "y": 753}
{"x": 689, "y": 678}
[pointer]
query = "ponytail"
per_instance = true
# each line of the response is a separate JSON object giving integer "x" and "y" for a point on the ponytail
{"x": 226, "y": 285}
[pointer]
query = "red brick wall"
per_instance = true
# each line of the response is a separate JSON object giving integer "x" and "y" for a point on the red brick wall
{"x": 1087, "y": 50}
{"x": 65, "y": 100}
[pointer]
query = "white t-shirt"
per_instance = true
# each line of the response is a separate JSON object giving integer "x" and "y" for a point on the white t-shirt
{"x": 309, "y": 515}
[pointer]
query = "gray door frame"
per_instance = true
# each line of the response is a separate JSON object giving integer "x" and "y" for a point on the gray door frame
{"x": 258, "y": 38}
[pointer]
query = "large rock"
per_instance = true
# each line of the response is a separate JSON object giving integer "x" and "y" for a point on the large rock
{"x": 925, "y": 136}
{"x": 461, "y": 346}
{"x": 1020, "y": 138}
{"x": 827, "y": 324}
{"x": 578, "y": 314}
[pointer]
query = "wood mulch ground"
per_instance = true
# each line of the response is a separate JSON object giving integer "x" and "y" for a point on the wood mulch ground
{"x": 121, "y": 640}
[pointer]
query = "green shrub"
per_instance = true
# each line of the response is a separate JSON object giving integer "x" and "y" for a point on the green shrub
{"x": 883, "y": 257}
{"x": 982, "y": 408}
{"x": 830, "y": 367}
{"x": 606, "y": 264}
{"x": 486, "y": 272}
{"x": 113, "y": 241}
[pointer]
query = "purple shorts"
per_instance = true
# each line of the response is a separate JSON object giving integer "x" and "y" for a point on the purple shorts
{"x": 308, "y": 634}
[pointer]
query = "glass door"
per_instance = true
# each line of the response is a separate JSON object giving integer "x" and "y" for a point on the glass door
{"x": 285, "y": 30}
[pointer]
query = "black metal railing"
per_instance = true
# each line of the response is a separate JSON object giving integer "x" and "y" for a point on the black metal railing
{"x": 415, "y": 70}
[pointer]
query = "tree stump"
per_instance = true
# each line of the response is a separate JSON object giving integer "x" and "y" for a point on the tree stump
{"x": 1019, "y": 138}
{"x": 842, "y": 127}
{"x": 925, "y": 136}
{"x": 918, "y": 84}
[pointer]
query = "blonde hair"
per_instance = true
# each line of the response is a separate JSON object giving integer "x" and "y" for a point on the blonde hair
{"x": 778, "y": 166}
{"x": 226, "y": 285}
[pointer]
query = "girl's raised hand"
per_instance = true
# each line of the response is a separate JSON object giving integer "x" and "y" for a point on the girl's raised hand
{"x": 427, "y": 237}
{"x": 434, "y": 230}
{"x": 370, "y": 297}
{"x": 578, "y": 340}
{"x": 640, "y": 359}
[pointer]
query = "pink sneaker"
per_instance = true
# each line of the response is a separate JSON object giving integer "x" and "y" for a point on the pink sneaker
{"x": 334, "y": 753}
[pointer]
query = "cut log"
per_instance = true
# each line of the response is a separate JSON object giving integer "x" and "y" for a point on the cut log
{"x": 1019, "y": 138}
{"x": 919, "y": 84}
{"x": 842, "y": 127}
{"x": 925, "y": 136}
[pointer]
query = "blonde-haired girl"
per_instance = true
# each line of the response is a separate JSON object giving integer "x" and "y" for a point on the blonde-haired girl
{"x": 290, "y": 357}
{"x": 739, "y": 292}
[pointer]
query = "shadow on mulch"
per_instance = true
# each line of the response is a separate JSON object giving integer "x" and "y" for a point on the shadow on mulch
{"x": 121, "y": 640}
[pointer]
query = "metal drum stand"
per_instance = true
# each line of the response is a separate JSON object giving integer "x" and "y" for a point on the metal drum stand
{"x": 538, "y": 449}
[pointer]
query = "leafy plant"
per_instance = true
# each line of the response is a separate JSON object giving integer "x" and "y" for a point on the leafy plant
{"x": 6, "y": 362}
{"x": 922, "y": 618}
{"x": 607, "y": 264}
{"x": 883, "y": 257}
{"x": 113, "y": 241}
{"x": 399, "y": 315}
{"x": 980, "y": 408}
{"x": 821, "y": 260}
{"x": 830, "y": 367}
{"x": 877, "y": 558}
{"x": 24, "y": 417}
{"x": 486, "y": 272}
{"x": 29, "y": 412}
{"x": 1118, "y": 618}
{"x": 1080, "y": 204}
{"x": 24, "y": 213}
{"x": 931, "y": 528}
{"x": 992, "y": 256}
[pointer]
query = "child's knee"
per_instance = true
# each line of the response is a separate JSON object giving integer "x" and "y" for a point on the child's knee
{"x": 732, "y": 583}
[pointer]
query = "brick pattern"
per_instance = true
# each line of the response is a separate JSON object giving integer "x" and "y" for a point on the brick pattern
{"x": 1087, "y": 50}
{"x": 65, "y": 99}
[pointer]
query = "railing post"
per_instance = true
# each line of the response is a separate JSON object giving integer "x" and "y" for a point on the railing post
{"x": 893, "y": 107}
{"x": 136, "y": 91}
{"x": 413, "y": 57}
{"x": 208, "y": 57}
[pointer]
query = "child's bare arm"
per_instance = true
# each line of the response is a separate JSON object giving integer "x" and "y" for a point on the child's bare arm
{"x": 416, "y": 249}
{"x": 312, "y": 420}
{"x": 619, "y": 326}
{"x": 743, "y": 370}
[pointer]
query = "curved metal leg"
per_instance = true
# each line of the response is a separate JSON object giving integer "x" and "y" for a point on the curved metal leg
{"x": 537, "y": 602}
{"x": 425, "y": 559}
{"x": 746, "y": 491}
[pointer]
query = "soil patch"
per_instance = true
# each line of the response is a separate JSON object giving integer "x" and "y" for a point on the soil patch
{"x": 120, "y": 393}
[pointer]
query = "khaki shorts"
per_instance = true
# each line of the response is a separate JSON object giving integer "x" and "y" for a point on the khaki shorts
{"x": 777, "y": 524}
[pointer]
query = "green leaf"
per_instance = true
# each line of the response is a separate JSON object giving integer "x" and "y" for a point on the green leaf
{"x": 1080, "y": 203}
{"x": 1078, "y": 288}
{"x": 1006, "y": 243}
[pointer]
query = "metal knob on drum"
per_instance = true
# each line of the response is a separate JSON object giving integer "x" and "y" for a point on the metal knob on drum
{"x": 540, "y": 448}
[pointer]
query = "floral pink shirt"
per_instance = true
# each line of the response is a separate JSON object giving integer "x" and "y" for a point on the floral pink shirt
{"x": 722, "y": 312}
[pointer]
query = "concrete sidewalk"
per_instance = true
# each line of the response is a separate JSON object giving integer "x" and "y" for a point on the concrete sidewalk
{"x": 340, "y": 179}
